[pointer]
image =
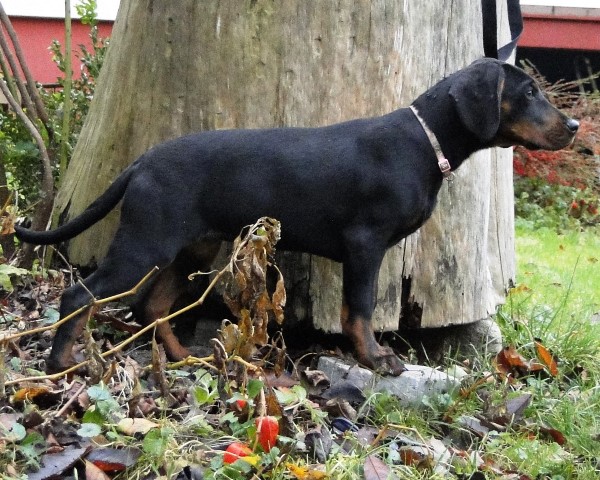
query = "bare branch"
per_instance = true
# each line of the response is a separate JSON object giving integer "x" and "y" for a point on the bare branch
{"x": 40, "y": 109}
{"x": 14, "y": 68}
{"x": 7, "y": 74}
{"x": 64, "y": 140}
{"x": 95, "y": 303}
{"x": 43, "y": 209}
{"x": 47, "y": 167}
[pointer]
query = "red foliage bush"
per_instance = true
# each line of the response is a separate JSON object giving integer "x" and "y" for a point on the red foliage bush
{"x": 578, "y": 165}
{"x": 562, "y": 189}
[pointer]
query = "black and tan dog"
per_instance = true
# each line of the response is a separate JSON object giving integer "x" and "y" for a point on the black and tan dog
{"x": 347, "y": 192}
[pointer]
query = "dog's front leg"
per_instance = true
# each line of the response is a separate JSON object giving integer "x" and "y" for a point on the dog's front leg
{"x": 360, "y": 286}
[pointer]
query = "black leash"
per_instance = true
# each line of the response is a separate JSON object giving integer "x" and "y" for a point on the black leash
{"x": 490, "y": 29}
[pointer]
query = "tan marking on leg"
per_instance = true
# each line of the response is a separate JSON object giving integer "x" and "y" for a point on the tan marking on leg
{"x": 59, "y": 361}
{"x": 159, "y": 301}
{"x": 173, "y": 348}
{"x": 368, "y": 350}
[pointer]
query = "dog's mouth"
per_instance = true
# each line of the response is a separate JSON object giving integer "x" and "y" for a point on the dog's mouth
{"x": 562, "y": 136}
{"x": 552, "y": 144}
{"x": 559, "y": 142}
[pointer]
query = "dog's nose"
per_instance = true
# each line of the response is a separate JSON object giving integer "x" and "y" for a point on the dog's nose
{"x": 572, "y": 125}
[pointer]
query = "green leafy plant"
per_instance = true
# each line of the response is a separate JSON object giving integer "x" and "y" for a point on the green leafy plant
{"x": 539, "y": 204}
{"x": 10, "y": 275}
{"x": 19, "y": 152}
{"x": 561, "y": 189}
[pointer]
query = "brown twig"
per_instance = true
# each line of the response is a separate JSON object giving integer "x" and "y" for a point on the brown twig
{"x": 32, "y": 94}
{"x": 238, "y": 245}
{"x": 33, "y": 115}
{"x": 191, "y": 360}
{"x": 70, "y": 401}
{"x": 44, "y": 207}
{"x": 95, "y": 303}
{"x": 124, "y": 343}
{"x": 25, "y": 97}
{"x": 160, "y": 321}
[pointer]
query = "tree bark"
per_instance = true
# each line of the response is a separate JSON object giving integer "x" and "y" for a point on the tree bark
{"x": 181, "y": 66}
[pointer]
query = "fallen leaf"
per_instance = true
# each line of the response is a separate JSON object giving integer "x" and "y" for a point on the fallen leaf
{"x": 346, "y": 390}
{"x": 315, "y": 377}
{"x": 131, "y": 426}
{"x": 319, "y": 443}
{"x": 29, "y": 393}
{"x": 311, "y": 472}
{"x": 474, "y": 425}
{"x": 283, "y": 380}
{"x": 338, "y": 407}
{"x": 159, "y": 367}
{"x": 272, "y": 405}
{"x": 92, "y": 472}
{"x": 520, "y": 288}
{"x": 509, "y": 362}
{"x": 515, "y": 408}
{"x": 416, "y": 456}
{"x": 114, "y": 459}
{"x": 53, "y": 465}
{"x": 553, "y": 433}
{"x": 377, "y": 469}
{"x": 7, "y": 420}
{"x": 546, "y": 358}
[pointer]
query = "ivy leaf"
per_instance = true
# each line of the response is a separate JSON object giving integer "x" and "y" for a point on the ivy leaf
{"x": 94, "y": 416}
{"x": 51, "y": 316}
{"x": 156, "y": 441}
{"x": 15, "y": 433}
{"x": 254, "y": 387}
{"x": 88, "y": 430}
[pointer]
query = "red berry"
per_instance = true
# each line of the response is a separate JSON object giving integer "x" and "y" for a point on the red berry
{"x": 235, "y": 451}
{"x": 267, "y": 430}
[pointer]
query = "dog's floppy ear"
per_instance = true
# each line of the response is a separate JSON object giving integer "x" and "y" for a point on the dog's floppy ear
{"x": 477, "y": 92}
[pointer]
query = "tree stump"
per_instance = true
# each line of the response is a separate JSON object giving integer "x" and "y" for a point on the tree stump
{"x": 182, "y": 66}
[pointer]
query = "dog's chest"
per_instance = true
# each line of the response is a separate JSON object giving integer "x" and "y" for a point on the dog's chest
{"x": 410, "y": 216}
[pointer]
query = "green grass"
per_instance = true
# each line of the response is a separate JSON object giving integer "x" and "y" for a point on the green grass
{"x": 557, "y": 300}
{"x": 558, "y": 272}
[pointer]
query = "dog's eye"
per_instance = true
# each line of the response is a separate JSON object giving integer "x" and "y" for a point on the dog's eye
{"x": 530, "y": 94}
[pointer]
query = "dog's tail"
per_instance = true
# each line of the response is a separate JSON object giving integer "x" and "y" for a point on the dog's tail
{"x": 97, "y": 210}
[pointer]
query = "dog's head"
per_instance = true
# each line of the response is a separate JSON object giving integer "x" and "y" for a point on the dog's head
{"x": 503, "y": 106}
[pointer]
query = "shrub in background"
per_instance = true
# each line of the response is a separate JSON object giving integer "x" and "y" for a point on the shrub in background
{"x": 561, "y": 189}
{"x": 18, "y": 151}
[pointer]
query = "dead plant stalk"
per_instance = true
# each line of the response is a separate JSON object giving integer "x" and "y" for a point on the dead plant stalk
{"x": 229, "y": 268}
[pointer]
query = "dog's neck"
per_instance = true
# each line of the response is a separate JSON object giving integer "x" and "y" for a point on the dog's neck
{"x": 437, "y": 109}
{"x": 443, "y": 162}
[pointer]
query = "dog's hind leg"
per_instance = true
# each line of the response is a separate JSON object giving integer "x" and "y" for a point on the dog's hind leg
{"x": 126, "y": 263}
{"x": 168, "y": 286}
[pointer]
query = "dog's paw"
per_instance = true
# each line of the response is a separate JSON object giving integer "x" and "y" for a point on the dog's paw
{"x": 57, "y": 365}
{"x": 389, "y": 363}
{"x": 384, "y": 361}
{"x": 175, "y": 351}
